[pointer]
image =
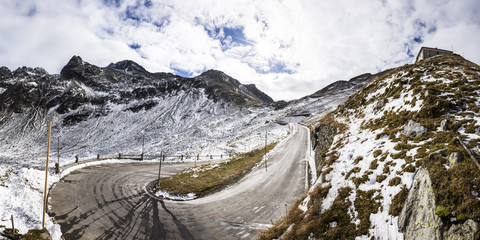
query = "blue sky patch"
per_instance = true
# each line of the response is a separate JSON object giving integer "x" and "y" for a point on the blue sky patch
{"x": 275, "y": 67}
{"x": 409, "y": 50}
{"x": 136, "y": 12}
{"x": 181, "y": 72}
{"x": 32, "y": 11}
{"x": 110, "y": 3}
{"x": 134, "y": 46}
{"x": 231, "y": 36}
{"x": 418, "y": 39}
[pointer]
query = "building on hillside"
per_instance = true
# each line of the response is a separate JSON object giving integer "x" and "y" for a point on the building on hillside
{"x": 426, "y": 52}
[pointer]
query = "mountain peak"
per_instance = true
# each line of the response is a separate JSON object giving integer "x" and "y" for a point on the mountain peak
{"x": 127, "y": 66}
{"x": 77, "y": 68}
{"x": 221, "y": 86}
{"x": 75, "y": 61}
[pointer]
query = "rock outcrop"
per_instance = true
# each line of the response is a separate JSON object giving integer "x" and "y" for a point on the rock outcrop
{"x": 443, "y": 125}
{"x": 413, "y": 129}
{"x": 466, "y": 231}
{"x": 418, "y": 220}
{"x": 454, "y": 158}
{"x": 323, "y": 138}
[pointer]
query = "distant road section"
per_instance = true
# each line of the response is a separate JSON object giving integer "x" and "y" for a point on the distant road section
{"x": 110, "y": 202}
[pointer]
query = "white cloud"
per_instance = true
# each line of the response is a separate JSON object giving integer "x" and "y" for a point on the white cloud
{"x": 287, "y": 48}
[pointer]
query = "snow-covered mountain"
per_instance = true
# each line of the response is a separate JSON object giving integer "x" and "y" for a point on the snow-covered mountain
{"x": 397, "y": 159}
{"x": 109, "y": 110}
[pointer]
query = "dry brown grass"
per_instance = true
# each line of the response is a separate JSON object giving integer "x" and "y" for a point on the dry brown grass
{"x": 208, "y": 181}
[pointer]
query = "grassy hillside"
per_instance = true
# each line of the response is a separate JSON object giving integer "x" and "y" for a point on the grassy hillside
{"x": 370, "y": 166}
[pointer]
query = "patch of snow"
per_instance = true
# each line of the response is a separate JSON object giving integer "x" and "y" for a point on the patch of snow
{"x": 303, "y": 206}
{"x": 167, "y": 195}
{"x": 23, "y": 198}
{"x": 31, "y": 84}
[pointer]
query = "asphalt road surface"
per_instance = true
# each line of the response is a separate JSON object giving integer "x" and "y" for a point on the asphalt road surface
{"x": 110, "y": 201}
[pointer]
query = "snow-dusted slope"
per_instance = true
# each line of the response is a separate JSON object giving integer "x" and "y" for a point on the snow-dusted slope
{"x": 111, "y": 110}
{"x": 385, "y": 133}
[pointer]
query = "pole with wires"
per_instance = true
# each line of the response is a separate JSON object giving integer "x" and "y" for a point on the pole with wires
{"x": 160, "y": 167}
{"x": 265, "y": 151}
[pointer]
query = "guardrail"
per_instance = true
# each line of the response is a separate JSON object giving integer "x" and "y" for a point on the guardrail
{"x": 141, "y": 157}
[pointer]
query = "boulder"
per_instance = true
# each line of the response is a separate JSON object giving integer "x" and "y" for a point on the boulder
{"x": 466, "y": 231}
{"x": 380, "y": 104}
{"x": 418, "y": 220}
{"x": 413, "y": 129}
{"x": 454, "y": 158}
{"x": 443, "y": 125}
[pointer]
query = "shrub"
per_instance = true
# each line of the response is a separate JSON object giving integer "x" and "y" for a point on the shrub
{"x": 400, "y": 155}
{"x": 358, "y": 159}
{"x": 462, "y": 217}
{"x": 394, "y": 181}
{"x": 409, "y": 168}
{"x": 398, "y": 201}
{"x": 377, "y": 153}
{"x": 354, "y": 170}
{"x": 380, "y": 178}
{"x": 366, "y": 204}
{"x": 443, "y": 211}
{"x": 373, "y": 164}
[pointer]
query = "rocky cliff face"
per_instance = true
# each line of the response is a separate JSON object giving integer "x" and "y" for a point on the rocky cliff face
{"x": 323, "y": 138}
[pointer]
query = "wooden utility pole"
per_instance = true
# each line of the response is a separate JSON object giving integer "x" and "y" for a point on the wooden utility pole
{"x": 46, "y": 175}
{"x": 160, "y": 167}
{"x": 13, "y": 226}
{"x": 57, "y": 168}
{"x": 143, "y": 144}
{"x": 468, "y": 151}
{"x": 265, "y": 151}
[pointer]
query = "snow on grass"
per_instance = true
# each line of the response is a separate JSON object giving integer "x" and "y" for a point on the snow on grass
{"x": 304, "y": 205}
{"x": 167, "y": 195}
{"x": 22, "y": 197}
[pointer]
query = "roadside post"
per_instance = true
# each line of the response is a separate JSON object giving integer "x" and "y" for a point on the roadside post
{"x": 46, "y": 175}
{"x": 57, "y": 165}
{"x": 160, "y": 168}
{"x": 265, "y": 156}
{"x": 143, "y": 145}
{"x": 13, "y": 226}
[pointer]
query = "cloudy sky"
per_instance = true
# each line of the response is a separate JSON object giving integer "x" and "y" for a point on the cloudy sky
{"x": 288, "y": 48}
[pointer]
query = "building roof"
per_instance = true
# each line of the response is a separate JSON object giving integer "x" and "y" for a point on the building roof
{"x": 432, "y": 49}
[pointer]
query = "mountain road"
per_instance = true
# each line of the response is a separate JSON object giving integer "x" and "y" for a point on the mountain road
{"x": 111, "y": 201}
